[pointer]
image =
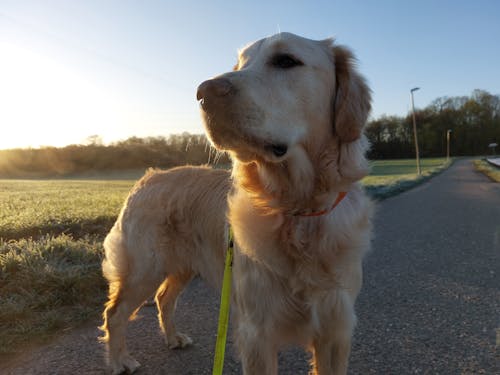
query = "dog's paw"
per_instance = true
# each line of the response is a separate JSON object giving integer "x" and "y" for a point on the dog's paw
{"x": 179, "y": 341}
{"x": 127, "y": 365}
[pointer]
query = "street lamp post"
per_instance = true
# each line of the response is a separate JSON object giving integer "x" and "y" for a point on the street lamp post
{"x": 417, "y": 156}
{"x": 448, "y": 145}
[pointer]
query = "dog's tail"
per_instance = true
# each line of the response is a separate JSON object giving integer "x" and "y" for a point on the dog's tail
{"x": 114, "y": 269}
{"x": 115, "y": 264}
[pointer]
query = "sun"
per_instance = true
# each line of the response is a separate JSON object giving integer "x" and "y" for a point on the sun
{"x": 47, "y": 103}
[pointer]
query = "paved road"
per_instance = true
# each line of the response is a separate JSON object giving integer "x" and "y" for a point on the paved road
{"x": 430, "y": 303}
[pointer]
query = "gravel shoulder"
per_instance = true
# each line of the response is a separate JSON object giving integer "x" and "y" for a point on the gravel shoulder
{"x": 430, "y": 303}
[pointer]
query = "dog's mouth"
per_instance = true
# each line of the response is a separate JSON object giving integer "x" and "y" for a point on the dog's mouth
{"x": 245, "y": 145}
{"x": 230, "y": 133}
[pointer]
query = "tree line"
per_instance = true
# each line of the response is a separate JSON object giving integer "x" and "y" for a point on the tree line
{"x": 474, "y": 122}
{"x": 132, "y": 153}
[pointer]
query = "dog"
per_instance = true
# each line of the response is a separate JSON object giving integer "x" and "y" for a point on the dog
{"x": 291, "y": 116}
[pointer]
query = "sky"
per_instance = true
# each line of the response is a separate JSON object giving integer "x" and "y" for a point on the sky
{"x": 72, "y": 69}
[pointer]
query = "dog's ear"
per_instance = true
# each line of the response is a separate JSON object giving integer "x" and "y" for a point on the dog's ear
{"x": 352, "y": 97}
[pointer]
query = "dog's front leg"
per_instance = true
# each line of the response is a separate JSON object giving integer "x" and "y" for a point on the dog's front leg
{"x": 331, "y": 358}
{"x": 257, "y": 353}
{"x": 332, "y": 346}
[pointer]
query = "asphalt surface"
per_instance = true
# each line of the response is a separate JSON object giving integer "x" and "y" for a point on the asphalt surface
{"x": 430, "y": 303}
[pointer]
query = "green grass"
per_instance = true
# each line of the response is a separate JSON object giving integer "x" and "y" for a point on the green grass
{"x": 488, "y": 169}
{"x": 50, "y": 280}
{"x": 29, "y": 208}
{"x": 403, "y": 166}
{"x": 47, "y": 286}
{"x": 51, "y": 235}
{"x": 390, "y": 177}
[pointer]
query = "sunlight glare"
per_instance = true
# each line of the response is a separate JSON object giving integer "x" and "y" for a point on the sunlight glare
{"x": 44, "y": 102}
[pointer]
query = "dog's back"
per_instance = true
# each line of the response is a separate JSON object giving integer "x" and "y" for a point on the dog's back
{"x": 172, "y": 212}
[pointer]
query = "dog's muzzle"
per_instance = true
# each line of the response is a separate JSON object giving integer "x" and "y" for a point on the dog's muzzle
{"x": 216, "y": 96}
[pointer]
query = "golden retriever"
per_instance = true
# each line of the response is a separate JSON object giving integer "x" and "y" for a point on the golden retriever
{"x": 291, "y": 116}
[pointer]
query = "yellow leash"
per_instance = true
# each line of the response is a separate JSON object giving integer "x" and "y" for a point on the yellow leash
{"x": 220, "y": 345}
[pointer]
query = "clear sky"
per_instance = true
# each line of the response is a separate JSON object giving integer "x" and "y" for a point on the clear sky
{"x": 71, "y": 69}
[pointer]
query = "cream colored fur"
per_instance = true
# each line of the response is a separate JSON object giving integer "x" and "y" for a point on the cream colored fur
{"x": 291, "y": 116}
{"x": 171, "y": 228}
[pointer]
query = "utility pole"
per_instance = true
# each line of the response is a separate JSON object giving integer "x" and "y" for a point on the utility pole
{"x": 448, "y": 145}
{"x": 417, "y": 156}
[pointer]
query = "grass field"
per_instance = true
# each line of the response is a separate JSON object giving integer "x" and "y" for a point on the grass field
{"x": 35, "y": 207}
{"x": 50, "y": 253}
{"x": 46, "y": 286}
{"x": 389, "y": 177}
{"x": 51, "y": 234}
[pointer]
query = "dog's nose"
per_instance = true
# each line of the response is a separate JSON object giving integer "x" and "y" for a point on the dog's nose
{"x": 214, "y": 87}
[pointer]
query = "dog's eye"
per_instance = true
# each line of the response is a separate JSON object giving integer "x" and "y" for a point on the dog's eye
{"x": 285, "y": 61}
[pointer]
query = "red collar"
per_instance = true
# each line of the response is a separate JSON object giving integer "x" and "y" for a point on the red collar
{"x": 339, "y": 199}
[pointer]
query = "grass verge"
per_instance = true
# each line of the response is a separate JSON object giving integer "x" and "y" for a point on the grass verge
{"x": 46, "y": 286}
{"x": 489, "y": 170}
{"x": 391, "y": 177}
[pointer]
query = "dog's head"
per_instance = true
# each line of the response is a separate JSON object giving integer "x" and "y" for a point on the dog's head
{"x": 291, "y": 104}
{"x": 285, "y": 91}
